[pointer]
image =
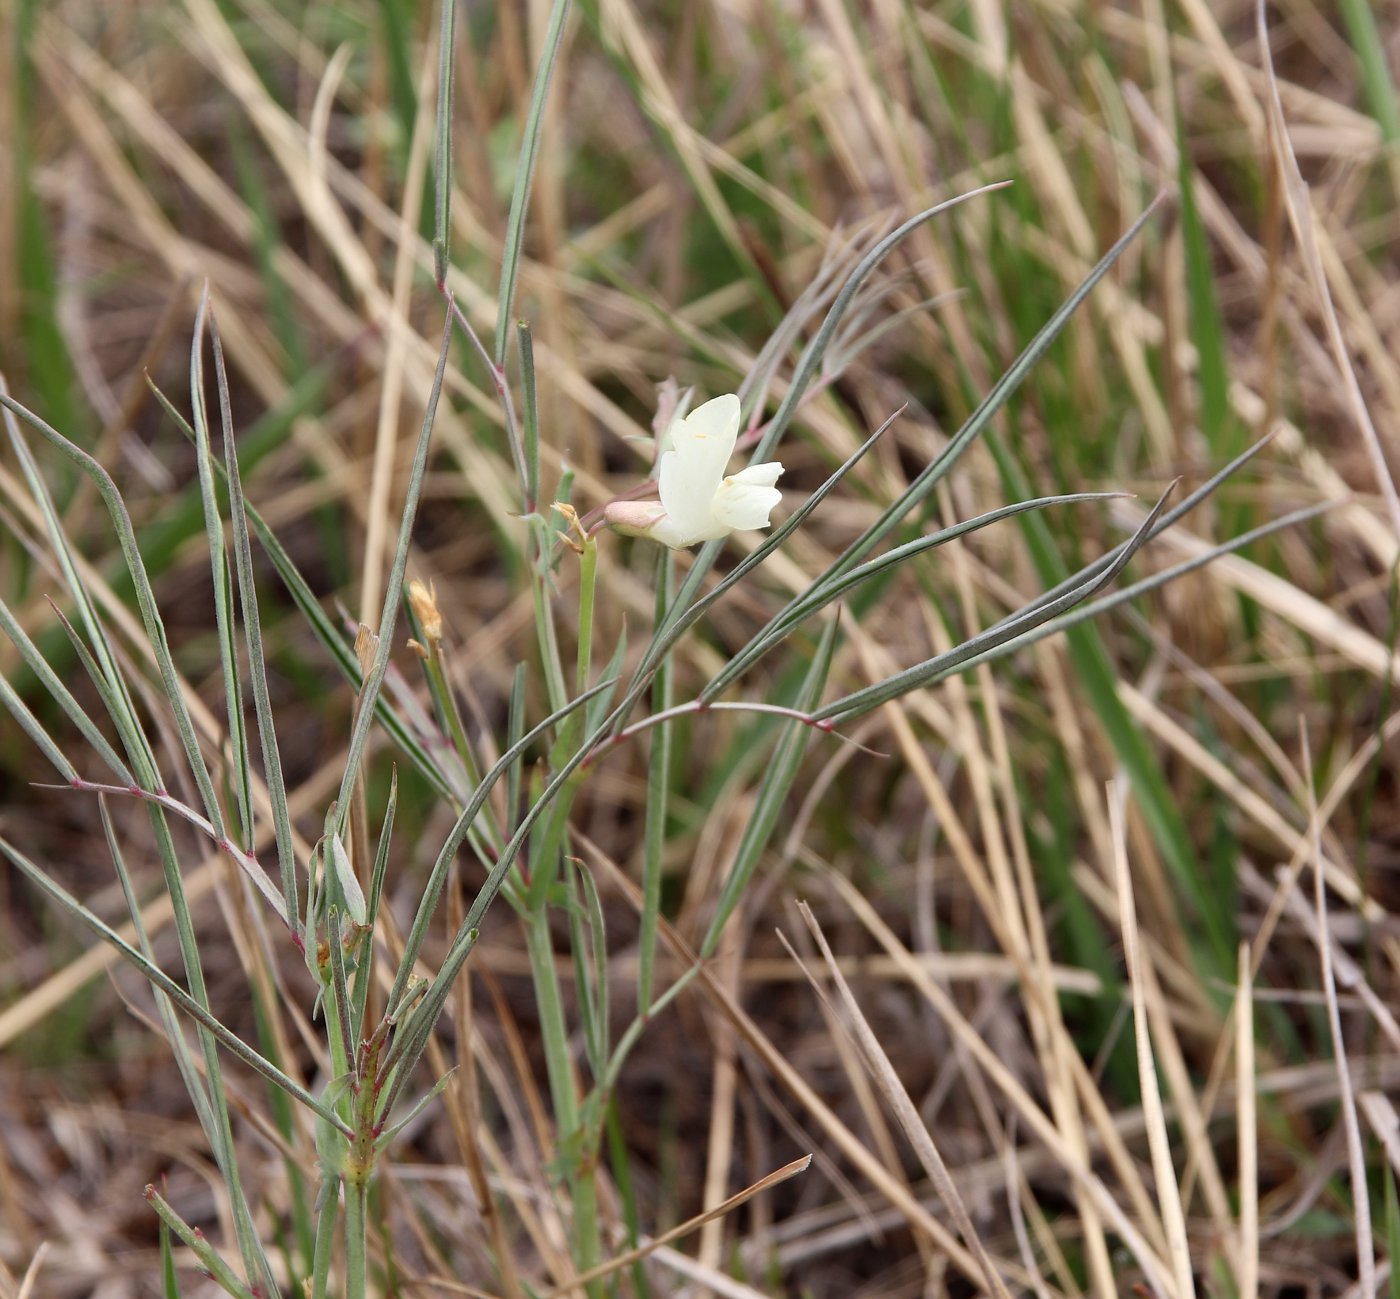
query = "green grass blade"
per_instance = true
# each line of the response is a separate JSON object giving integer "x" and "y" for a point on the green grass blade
{"x": 169, "y": 1282}
{"x": 923, "y": 674}
{"x": 145, "y": 597}
{"x": 1094, "y": 667}
{"x": 442, "y": 156}
{"x": 772, "y": 792}
{"x": 530, "y": 417}
{"x": 159, "y": 979}
{"x": 658, "y": 798}
{"x": 822, "y": 593}
{"x": 393, "y": 590}
{"x": 54, "y": 684}
{"x": 524, "y": 177}
{"x": 515, "y": 732}
{"x": 218, "y": 562}
{"x": 1369, "y": 48}
{"x": 252, "y": 634}
{"x": 1222, "y": 430}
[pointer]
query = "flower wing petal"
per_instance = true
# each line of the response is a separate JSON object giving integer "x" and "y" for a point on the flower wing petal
{"x": 745, "y": 500}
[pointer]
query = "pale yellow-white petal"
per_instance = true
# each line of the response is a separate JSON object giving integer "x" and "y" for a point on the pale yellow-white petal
{"x": 691, "y": 469}
{"x": 746, "y": 499}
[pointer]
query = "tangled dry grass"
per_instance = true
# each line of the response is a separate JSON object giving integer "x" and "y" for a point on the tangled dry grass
{"x": 1166, "y": 840}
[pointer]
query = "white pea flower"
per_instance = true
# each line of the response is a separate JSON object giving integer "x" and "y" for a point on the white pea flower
{"x": 698, "y": 502}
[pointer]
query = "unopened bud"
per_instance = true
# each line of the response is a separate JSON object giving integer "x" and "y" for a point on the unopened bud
{"x": 633, "y": 518}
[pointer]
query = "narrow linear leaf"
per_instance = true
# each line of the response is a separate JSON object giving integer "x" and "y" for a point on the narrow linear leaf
{"x": 925, "y": 673}
{"x": 524, "y": 177}
{"x": 159, "y": 979}
{"x": 257, "y": 655}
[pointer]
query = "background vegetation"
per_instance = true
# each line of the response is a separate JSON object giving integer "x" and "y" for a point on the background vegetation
{"x": 1167, "y": 835}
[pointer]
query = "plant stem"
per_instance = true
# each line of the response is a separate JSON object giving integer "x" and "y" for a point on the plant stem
{"x": 575, "y": 1147}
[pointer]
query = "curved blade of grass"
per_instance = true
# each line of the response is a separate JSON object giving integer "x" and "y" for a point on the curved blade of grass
{"x": 679, "y": 618}
{"x": 1172, "y": 516}
{"x": 437, "y": 878}
{"x": 116, "y": 694}
{"x": 1091, "y": 609}
{"x": 218, "y": 563}
{"x": 162, "y": 981}
{"x": 252, "y": 635}
{"x": 524, "y": 177}
{"x": 806, "y": 368}
{"x": 772, "y": 792}
{"x": 822, "y": 594}
{"x": 145, "y": 598}
{"x": 922, "y": 674}
{"x": 54, "y": 684}
{"x": 442, "y": 157}
{"x": 393, "y": 591}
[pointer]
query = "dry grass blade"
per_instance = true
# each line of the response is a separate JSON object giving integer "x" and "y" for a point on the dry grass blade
{"x": 763, "y": 1184}
{"x": 31, "y": 1274}
{"x": 1159, "y": 1140}
{"x": 1356, "y": 1152}
{"x": 878, "y": 1063}
{"x": 1247, "y": 1270}
{"x": 702, "y": 189}
{"x": 1300, "y": 214}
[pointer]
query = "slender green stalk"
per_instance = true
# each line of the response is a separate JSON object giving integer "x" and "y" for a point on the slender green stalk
{"x": 442, "y": 156}
{"x": 209, "y": 1258}
{"x": 531, "y": 418}
{"x": 577, "y": 1146}
{"x": 393, "y": 590}
{"x": 218, "y": 562}
{"x": 257, "y": 657}
{"x": 524, "y": 177}
{"x": 658, "y": 799}
{"x": 356, "y": 1228}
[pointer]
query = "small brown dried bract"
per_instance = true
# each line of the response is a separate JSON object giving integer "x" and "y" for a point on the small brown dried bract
{"x": 575, "y": 537}
{"x": 422, "y": 598}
